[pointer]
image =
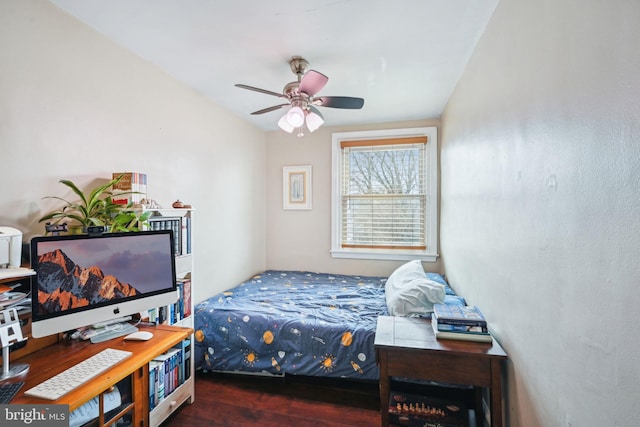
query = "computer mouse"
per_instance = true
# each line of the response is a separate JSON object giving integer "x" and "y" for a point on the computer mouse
{"x": 139, "y": 336}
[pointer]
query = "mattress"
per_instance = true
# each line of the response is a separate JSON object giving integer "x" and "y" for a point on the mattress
{"x": 302, "y": 323}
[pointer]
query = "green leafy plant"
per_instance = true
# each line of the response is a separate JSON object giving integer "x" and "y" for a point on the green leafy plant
{"x": 98, "y": 208}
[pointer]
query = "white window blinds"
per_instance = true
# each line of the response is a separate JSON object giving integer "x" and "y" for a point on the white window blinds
{"x": 384, "y": 193}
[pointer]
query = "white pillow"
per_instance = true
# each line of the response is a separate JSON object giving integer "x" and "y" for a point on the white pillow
{"x": 409, "y": 292}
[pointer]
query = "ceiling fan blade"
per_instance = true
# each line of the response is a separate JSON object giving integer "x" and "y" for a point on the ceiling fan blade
{"x": 339, "y": 102}
{"x": 269, "y": 109}
{"x": 316, "y": 111}
{"x": 257, "y": 89}
{"x": 312, "y": 82}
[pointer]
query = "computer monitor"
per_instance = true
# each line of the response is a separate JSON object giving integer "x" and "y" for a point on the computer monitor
{"x": 81, "y": 280}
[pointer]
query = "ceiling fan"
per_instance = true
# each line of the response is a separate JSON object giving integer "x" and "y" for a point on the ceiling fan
{"x": 301, "y": 97}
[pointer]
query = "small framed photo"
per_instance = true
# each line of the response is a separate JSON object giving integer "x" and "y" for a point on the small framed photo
{"x": 296, "y": 187}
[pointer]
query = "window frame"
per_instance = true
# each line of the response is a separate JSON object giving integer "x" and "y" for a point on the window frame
{"x": 430, "y": 254}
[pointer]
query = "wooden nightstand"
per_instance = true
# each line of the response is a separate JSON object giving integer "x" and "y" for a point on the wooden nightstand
{"x": 407, "y": 347}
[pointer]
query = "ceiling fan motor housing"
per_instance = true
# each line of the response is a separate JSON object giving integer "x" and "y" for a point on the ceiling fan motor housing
{"x": 297, "y": 98}
{"x": 291, "y": 89}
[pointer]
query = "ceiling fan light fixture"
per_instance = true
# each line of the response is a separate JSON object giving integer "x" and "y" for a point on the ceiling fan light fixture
{"x": 314, "y": 121}
{"x": 295, "y": 117}
{"x": 284, "y": 124}
{"x": 301, "y": 99}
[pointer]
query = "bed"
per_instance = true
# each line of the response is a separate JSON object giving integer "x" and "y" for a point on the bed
{"x": 294, "y": 322}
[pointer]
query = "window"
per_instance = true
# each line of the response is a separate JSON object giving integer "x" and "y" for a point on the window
{"x": 384, "y": 194}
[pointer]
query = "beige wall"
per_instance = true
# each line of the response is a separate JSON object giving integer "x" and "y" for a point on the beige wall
{"x": 301, "y": 240}
{"x": 75, "y": 106}
{"x": 540, "y": 205}
{"x": 539, "y": 186}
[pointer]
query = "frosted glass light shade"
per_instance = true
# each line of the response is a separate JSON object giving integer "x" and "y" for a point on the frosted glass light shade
{"x": 295, "y": 117}
{"x": 284, "y": 124}
{"x": 314, "y": 121}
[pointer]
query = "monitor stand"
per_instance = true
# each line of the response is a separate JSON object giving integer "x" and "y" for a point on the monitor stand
{"x": 13, "y": 371}
{"x": 10, "y": 333}
{"x": 114, "y": 331}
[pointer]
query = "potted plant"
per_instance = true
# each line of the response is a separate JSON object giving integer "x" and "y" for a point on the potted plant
{"x": 97, "y": 208}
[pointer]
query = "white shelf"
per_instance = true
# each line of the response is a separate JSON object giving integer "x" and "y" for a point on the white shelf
{"x": 184, "y": 265}
{"x": 184, "y": 268}
{"x": 15, "y": 272}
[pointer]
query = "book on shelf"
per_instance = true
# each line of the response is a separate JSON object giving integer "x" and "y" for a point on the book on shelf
{"x": 460, "y": 336}
{"x": 181, "y": 227}
{"x": 162, "y": 315}
{"x": 168, "y": 371}
{"x": 186, "y": 357}
{"x": 187, "y": 220}
{"x": 173, "y": 313}
{"x": 459, "y": 315}
{"x": 158, "y": 384}
{"x": 154, "y": 384}
{"x": 184, "y": 285}
{"x": 185, "y": 238}
{"x": 133, "y": 185}
{"x": 164, "y": 383}
{"x": 168, "y": 223}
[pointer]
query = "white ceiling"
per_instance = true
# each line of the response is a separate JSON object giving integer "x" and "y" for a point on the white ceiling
{"x": 404, "y": 57}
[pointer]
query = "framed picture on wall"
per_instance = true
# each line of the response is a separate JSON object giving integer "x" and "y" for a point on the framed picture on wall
{"x": 296, "y": 187}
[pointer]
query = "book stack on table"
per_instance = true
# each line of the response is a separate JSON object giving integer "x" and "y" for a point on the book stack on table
{"x": 466, "y": 323}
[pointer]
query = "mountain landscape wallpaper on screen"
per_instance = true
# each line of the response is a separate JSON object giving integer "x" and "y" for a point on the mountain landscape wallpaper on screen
{"x": 65, "y": 285}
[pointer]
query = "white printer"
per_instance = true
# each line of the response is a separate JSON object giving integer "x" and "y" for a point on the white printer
{"x": 10, "y": 247}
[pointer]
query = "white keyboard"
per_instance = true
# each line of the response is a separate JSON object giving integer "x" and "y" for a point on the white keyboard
{"x": 61, "y": 384}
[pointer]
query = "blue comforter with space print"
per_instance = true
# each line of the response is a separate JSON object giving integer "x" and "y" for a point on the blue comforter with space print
{"x": 293, "y": 322}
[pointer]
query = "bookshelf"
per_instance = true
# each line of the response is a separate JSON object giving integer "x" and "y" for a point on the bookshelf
{"x": 180, "y": 390}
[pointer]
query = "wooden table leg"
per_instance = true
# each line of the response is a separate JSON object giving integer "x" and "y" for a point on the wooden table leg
{"x": 478, "y": 408}
{"x": 496, "y": 394}
{"x": 384, "y": 388}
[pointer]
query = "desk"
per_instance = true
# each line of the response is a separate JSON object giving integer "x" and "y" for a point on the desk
{"x": 54, "y": 359}
{"x": 407, "y": 347}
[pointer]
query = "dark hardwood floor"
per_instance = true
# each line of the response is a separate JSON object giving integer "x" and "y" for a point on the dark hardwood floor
{"x": 238, "y": 400}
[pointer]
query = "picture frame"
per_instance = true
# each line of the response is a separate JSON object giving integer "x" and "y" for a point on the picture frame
{"x": 296, "y": 187}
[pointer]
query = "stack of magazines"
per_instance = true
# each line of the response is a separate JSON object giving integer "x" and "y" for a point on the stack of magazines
{"x": 14, "y": 289}
{"x": 466, "y": 323}
{"x": 9, "y": 298}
